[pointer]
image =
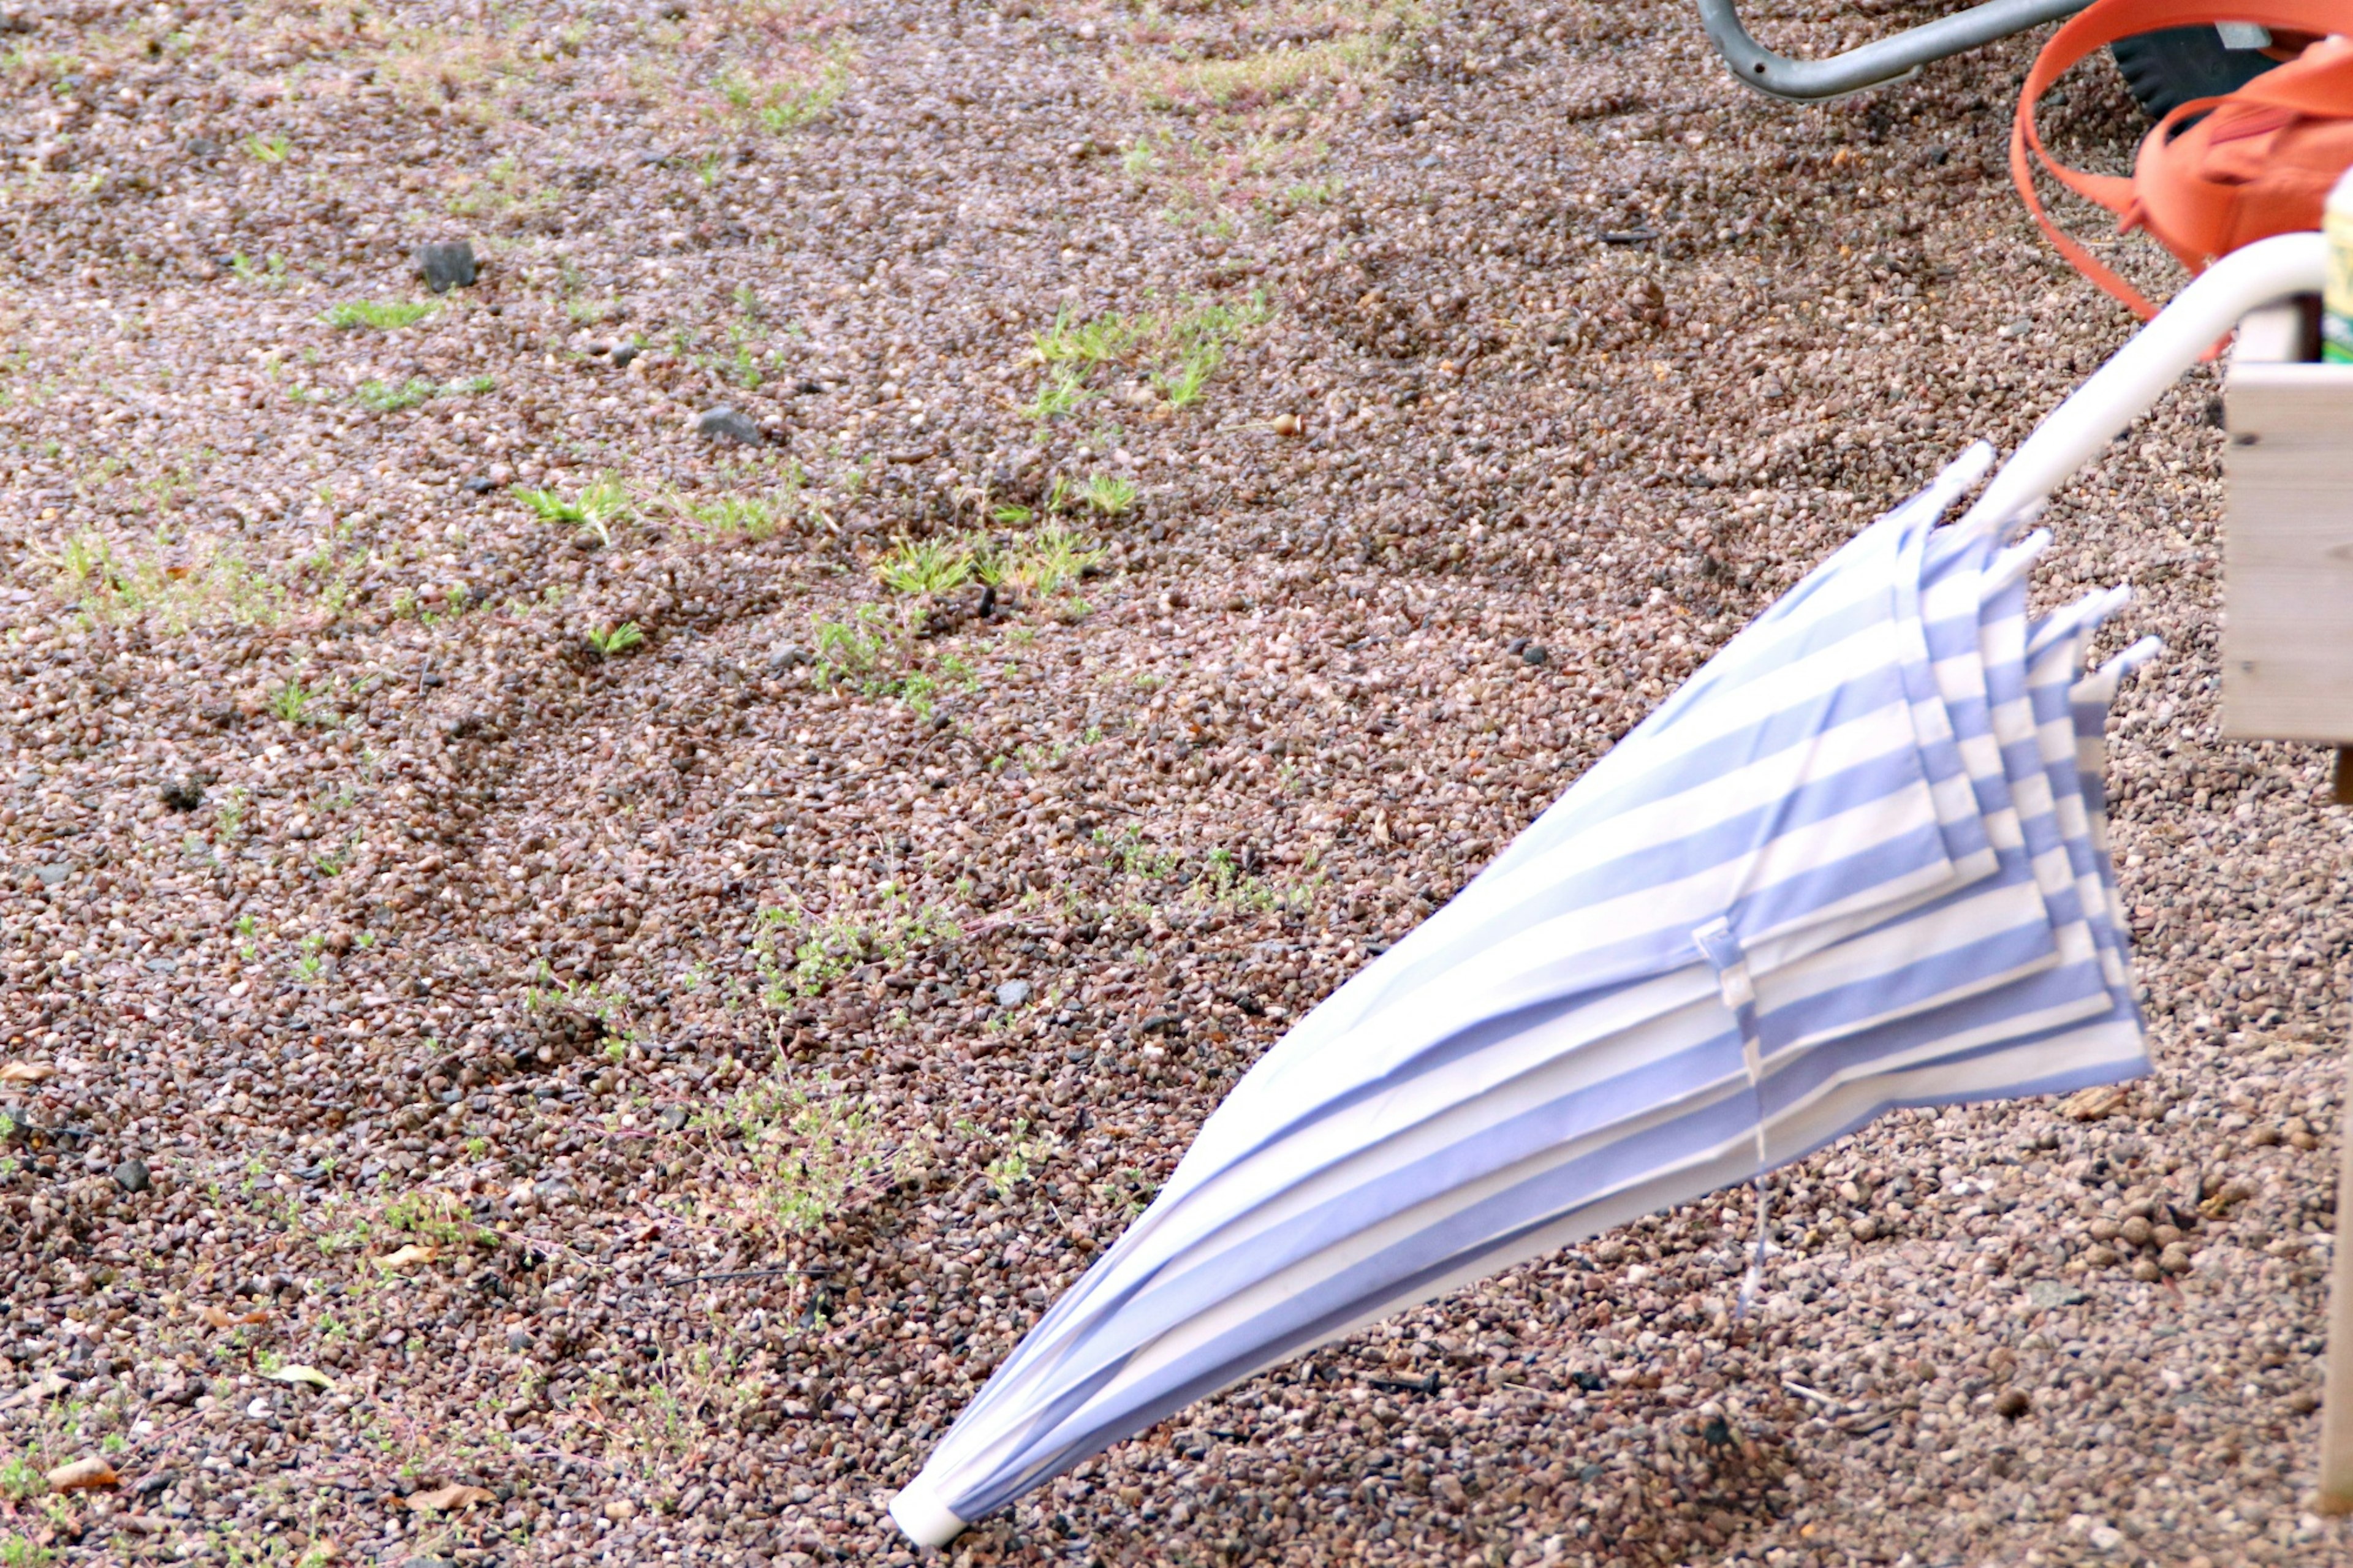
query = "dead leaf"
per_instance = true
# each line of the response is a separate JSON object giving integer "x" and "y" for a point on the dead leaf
{"x": 82, "y": 1474}
{"x": 408, "y": 1257}
{"x": 26, "y": 1072}
{"x": 450, "y": 1499}
{"x": 220, "y": 1319}
{"x": 293, "y": 1374}
{"x": 2091, "y": 1104}
{"x": 1381, "y": 828}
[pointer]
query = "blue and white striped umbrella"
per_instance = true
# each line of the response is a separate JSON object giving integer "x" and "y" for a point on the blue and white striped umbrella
{"x": 1858, "y": 862}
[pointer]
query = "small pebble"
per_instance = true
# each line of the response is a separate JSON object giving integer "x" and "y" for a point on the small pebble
{"x": 131, "y": 1177}
{"x": 2011, "y": 1403}
{"x": 1012, "y": 993}
{"x": 447, "y": 264}
{"x": 726, "y": 424}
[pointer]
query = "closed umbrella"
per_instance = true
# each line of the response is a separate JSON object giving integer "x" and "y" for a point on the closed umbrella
{"x": 1856, "y": 862}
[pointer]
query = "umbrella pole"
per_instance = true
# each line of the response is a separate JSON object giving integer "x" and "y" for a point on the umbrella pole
{"x": 2075, "y": 432}
{"x": 2137, "y": 374}
{"x": 2337, "y": 1404}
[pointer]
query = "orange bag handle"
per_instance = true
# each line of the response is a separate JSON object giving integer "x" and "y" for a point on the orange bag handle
{"x": 2104, "y": 22}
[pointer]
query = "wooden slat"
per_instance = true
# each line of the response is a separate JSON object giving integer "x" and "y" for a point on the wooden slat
{"x": 2287, "y": 666}
{"x": 2337, "y": 1399}
{"x": 2288, "y": 633}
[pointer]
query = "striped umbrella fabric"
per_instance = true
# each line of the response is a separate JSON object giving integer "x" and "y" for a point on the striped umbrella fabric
{"x": 1858, "y": 862}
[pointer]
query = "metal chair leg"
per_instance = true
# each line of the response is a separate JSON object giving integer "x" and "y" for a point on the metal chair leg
{"x": 1874, "y": 64}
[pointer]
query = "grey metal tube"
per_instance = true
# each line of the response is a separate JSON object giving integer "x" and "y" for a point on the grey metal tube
{"x": 1874, "y": 64}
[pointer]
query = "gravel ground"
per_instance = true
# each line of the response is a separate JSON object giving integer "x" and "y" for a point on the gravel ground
{"x": 573, "y": 982}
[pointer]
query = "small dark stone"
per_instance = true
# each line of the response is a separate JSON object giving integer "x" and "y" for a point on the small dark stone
{"x": 726, "y": 424}
{"x": 202, "y": 147}
{"x": 475, "y": 484}
{"x": 623, "y": 354}
{"x": 675, "y": 1118}
{"x": 1535, "y": 654}
{"x": 184, "y": 795}
{"x": 1718, "y": 1432}
{"x": 1012, "y": 993}
{"x": 447, "y": 264}
{"x": 1592, "y": 1382}
{"x": 156, "y": 1481}
{"x": 131, "y": 1176}
{"x": 2012, "y": 1405}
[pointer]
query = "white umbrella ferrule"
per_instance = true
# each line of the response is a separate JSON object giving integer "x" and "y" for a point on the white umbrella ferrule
{"x": 925, "y": 1520}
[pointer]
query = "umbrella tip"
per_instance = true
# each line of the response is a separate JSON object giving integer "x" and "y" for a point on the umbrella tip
{"x": 925, "y": 1520}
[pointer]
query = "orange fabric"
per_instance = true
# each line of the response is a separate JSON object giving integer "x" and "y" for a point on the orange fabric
{"x": 2260, "y": 161}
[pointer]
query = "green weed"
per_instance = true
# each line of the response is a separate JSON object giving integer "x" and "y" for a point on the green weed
{"x": 855, "y": 650}
{"x": 291, "y": 703}
{"x": 110, "y": 589}
{"x": 1137, "y": 858}
{"x": 272, "y": 147}
{"x": 809, "y": 1146}
{"x": 605, "y": 502}
{"x": 385, "y": 397}
{"x": 1048, "y": 561}
{"x": 1177, "y": 351}
{"x": 1109, "y": 496}
{"x": 21, "y": 1476}
{"x": 269, "y": 273}
{"x": 382, "y": 315}
{"x": 796, "y": 957}
{"x": 1020, "y": 1155}
{"x": 436, "y": 1218}
{"x": 613, "y": 641}
{"x": 926, "y": 566}
{"x": 1090, "y": 342}
{"x": 797, "y": 106}
{"x": 20, "y": 1551}
{"x": 1064, "y": 388}
{"x": 756, "y": 518}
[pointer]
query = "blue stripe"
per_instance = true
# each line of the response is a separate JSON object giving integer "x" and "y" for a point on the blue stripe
{"x": 1610, "y": 1073}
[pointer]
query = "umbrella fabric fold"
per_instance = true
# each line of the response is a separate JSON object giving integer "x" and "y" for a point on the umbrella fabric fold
{"x": 1858, "y": 862}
